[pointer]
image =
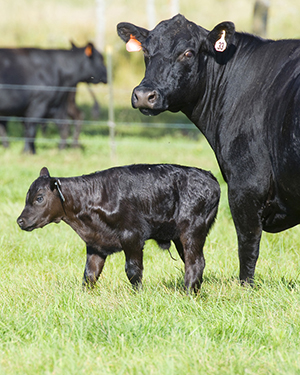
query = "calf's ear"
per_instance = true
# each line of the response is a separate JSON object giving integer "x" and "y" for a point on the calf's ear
{"x": 44, "y": 172}
{"x": 55, "y": 184}
{"x": 129, "y": 32}
{"x": 221, "y": 37}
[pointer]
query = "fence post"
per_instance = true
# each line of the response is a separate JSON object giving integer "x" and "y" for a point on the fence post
{"x": 151, "y": 14}
{"x": 111, "y": 115}
{"x": 100, "y": 26}
{"x": 174, "y": 7}
{"x": 260, "y": 17}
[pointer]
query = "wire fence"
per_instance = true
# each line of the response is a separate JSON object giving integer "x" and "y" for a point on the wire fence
{"x": 105, "y": 97}
{"x": 108, "y": 126}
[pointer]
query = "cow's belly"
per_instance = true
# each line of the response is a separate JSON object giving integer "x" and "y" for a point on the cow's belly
{"x": 280, "y": 222}
{"x": 14, "y": 104}
{"x": 282, "y": 211}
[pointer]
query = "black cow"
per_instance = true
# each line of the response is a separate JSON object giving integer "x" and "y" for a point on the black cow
{"x": 243, "y": 93}
{"x": 25, "y": 74}
{"x": 120, "y": 208}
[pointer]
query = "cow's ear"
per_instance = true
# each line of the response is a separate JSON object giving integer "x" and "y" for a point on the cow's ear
{"x": 132, "y": 35}
{"x": 221, "y": 37}
{"x": 89, "y": 50}
{"x": 73, "y": 45}
{"x": 44, "y": 172}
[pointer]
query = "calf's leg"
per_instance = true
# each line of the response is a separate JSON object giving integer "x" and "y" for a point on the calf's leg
{"x": 134, "y": 266}
{"x": 179, "y": 248}
{"x": 194, "y": 259}
{"x": 93, "y": 267}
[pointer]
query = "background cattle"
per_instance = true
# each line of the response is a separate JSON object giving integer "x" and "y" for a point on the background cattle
{"x": 243, "y": 93}
{"x": 73, "y": 112}
{"x": 120, "y": 208}
{"x": 35, "y": 84}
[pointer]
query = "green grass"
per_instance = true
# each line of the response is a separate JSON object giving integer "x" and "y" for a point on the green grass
{"x": 49, "y": 326}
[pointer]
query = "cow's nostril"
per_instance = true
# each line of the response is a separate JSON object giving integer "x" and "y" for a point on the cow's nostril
{"x": 143, "y": 98}
{"x": 152, "y": 97}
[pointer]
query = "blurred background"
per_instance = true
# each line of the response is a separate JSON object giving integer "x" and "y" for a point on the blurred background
{"x": 54, "y": 23}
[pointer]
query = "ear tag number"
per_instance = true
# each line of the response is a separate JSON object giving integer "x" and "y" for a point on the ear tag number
{"x": 133, "y": 45}
{"x": 221, "y": 44}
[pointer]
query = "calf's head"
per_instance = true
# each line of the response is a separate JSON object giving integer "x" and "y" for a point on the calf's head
{"x": 44, "y": 203}
{"x": 175, "y": 54}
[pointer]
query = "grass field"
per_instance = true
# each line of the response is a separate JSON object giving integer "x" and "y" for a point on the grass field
{"x": 49, "y": 326}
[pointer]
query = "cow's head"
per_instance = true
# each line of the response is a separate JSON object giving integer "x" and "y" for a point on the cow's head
{"x": 93, "y": 67}
{"x": 176, "y": 53}
{"x": 43, "y": 203}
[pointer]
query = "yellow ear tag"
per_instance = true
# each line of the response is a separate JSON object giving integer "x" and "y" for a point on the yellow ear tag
{"x": 221, "y": 44}
{"x": 133, "y": 45}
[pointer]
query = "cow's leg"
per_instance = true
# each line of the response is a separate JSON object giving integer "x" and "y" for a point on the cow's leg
{"x": 3, "y": 133}
{"x": 77, "y": 115}
{"x": 76, "y": 134}
{"x": 245, "y": 213}
{"x": 193, "y": 242}
{"x": 134, "y": 265}
{"x": 30, "y": 133}
{"x": 93, "y": 267}
{"x": 64, "y": 132}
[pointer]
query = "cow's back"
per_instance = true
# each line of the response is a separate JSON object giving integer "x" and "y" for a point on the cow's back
{"x": 28, "y": 66}
{"x": 27, "y": 69}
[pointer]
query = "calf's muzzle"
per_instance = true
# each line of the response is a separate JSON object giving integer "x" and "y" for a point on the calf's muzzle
{"x": 21, "y": 222}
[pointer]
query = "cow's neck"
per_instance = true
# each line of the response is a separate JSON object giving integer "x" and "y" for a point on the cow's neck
{"x": 207, "y": 112}
{"x": 70, "y": 70}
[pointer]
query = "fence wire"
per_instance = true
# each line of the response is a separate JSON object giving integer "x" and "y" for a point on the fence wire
{"x": 106, "y": 124}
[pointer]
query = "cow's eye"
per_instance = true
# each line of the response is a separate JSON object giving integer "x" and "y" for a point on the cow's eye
{"x": 189, "y": 54}
{"x": 39, "y": 198}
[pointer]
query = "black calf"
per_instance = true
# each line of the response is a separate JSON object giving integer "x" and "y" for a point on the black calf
{"x": 120, "y": 208}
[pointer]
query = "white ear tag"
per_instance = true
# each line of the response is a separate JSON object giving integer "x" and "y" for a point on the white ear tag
{"x": 133, "y": 45}
{"x": 221, "y": 44}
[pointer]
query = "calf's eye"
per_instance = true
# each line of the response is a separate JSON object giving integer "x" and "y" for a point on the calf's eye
{"x": 39, "y": 199}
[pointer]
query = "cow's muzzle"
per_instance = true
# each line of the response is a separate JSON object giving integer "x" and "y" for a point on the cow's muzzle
{"x": 147, "y": 101}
